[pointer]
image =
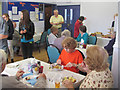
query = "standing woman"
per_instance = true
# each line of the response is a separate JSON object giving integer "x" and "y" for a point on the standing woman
{"x": 26, "y": 29}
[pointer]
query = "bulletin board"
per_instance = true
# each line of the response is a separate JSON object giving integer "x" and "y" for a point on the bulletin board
{"x": 35, "y": 10}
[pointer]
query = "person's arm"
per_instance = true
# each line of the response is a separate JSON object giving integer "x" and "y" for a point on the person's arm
{"x": 110, "y": 44}
{"x": 3, "y": 36}
{"x": 78, "y": 39}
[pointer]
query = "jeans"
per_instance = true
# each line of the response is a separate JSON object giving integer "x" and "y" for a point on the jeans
{"x": 27, "y": 50}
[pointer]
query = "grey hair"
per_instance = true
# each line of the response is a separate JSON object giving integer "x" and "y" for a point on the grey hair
{"x": 3, "y": 58}
{"x": 66, "y": 33}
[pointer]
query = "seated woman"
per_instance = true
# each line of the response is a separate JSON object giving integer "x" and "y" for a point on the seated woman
{"x": 83, "y": 36}
{"x": 53, "y": 35}
{"x": 97, "y": 68}
{"x": 69, "y": 54}
{"x": 58, "y": 41}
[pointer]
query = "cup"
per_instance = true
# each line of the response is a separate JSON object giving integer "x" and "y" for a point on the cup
{"x": 84, "y": 46}
{"x": 41, "y": 69}
{"x": 57, "y": 84}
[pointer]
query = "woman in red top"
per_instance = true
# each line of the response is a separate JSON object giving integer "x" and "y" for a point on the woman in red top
{"x": 78, "y": 23}
{"x": 70, "y": 55}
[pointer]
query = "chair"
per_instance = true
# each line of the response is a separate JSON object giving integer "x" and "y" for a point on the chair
{"x": 82, "y": 54}
{"x": 53, "y": 53}
{"x": 92, "y": 40}
{"x": 43, "y": 42}
{"x": 110, "y": 62}
{"x": 49, "y": 31}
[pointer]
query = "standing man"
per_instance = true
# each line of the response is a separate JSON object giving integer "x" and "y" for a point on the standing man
{"x": 78, "y": 23}
{"x": 57, "y": 20}
{"x": 3, "y": 35}
{"x": 10, "y": 35}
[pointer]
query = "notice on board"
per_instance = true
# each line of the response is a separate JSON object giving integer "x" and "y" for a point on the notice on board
{"x": 14, "y": 9}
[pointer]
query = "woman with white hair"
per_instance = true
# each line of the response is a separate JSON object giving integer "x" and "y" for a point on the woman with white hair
{"x": 58, "y": 41}
{"x": 3, "y": 58}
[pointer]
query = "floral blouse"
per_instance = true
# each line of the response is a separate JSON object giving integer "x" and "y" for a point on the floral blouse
{"x": 95, "y": 79}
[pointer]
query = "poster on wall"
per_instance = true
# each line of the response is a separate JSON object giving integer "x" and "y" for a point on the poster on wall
{"x": 10, "y": 14}
{"x": 32, "y": 15}
{"x": 14, "y": 9}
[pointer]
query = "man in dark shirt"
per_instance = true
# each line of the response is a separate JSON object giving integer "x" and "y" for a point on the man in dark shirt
{"x": 10, "y": 35}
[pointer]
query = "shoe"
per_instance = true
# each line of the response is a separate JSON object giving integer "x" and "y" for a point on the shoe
{"x": 12, "y": 61}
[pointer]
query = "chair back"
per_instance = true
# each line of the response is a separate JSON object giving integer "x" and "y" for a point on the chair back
{"x": 92, "y": 40}
{"x": 49, "y": 31}
{"x": 82, "y": 54}
{"x": 53, "y": 53}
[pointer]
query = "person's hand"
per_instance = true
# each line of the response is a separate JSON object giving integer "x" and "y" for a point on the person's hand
{"x": 25, "y": 31}
{"x": 42, "y": 75}
{"x": 19, "y": 73}
{"x": 69, "y": 64}
{"x": 59, "y": 61}
{"x": 21, "y": 32}
{"x": 68, "y": 84}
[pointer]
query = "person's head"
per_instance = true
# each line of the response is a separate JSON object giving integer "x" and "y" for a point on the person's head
{"x": 54, "y": 30}
{"x": 56, "y": 13}
{"x": 3, "y": 59}
{"x": 82, "y": 29}
{"x": 66, "y": 33}
{"x": 81, "y": 19}
{"x": 25, "y": 18}
{"x": 115, "y": 15}
{"x": 69, "y": 44}
{"x": 5, "y": 16}
{"x": 96, "y": 58}
{"x": 14, "y": 24}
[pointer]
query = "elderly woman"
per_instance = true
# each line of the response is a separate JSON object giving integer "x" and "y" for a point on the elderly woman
{"x": 83, "y": 35}
{"x": 58, "y": 41}
{"x": 97, "y": 68}
{"x": 69, "y": 54}
{"x": 53, "y": 35}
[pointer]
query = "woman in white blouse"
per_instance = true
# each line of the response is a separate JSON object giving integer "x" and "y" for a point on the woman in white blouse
{"x": 97, "y": 68}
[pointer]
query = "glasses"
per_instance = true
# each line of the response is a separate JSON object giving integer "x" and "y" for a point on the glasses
{"x": 4, "y": 17}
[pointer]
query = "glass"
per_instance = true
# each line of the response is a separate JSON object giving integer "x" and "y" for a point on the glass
{"x": 84, "y": 46}
{"x": 57, "y": 84}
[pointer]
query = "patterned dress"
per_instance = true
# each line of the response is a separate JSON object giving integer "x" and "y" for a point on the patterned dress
{"x": 95, "y": 79}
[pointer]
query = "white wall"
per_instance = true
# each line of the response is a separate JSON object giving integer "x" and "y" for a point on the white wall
{"x": 99, "y": 15}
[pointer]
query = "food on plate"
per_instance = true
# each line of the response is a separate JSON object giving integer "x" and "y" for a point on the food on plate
{"x": 69, "y": 78}
{"x": 27, "y": 78}
{"x": 53, "y": 66}
{"x": 36, "y": 68}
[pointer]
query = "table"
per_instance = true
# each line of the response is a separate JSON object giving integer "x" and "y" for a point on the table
{"x": 102, "y": 41}
{"x": 51, "y": 75}
{"x": 37, "y": 37}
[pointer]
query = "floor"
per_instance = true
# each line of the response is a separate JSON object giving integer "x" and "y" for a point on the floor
{"x": 40, "y": 56}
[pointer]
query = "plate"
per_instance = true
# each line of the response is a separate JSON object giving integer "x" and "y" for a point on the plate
{"x": 56, "y": 67}
{"x": 69, "y": 78}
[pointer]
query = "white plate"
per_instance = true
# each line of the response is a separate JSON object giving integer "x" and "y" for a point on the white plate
{"x": 56, "y": 69}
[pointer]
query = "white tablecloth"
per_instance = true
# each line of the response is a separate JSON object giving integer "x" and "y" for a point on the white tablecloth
{"x": 51, "y": 75}
{"x": 102, "y": 41}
